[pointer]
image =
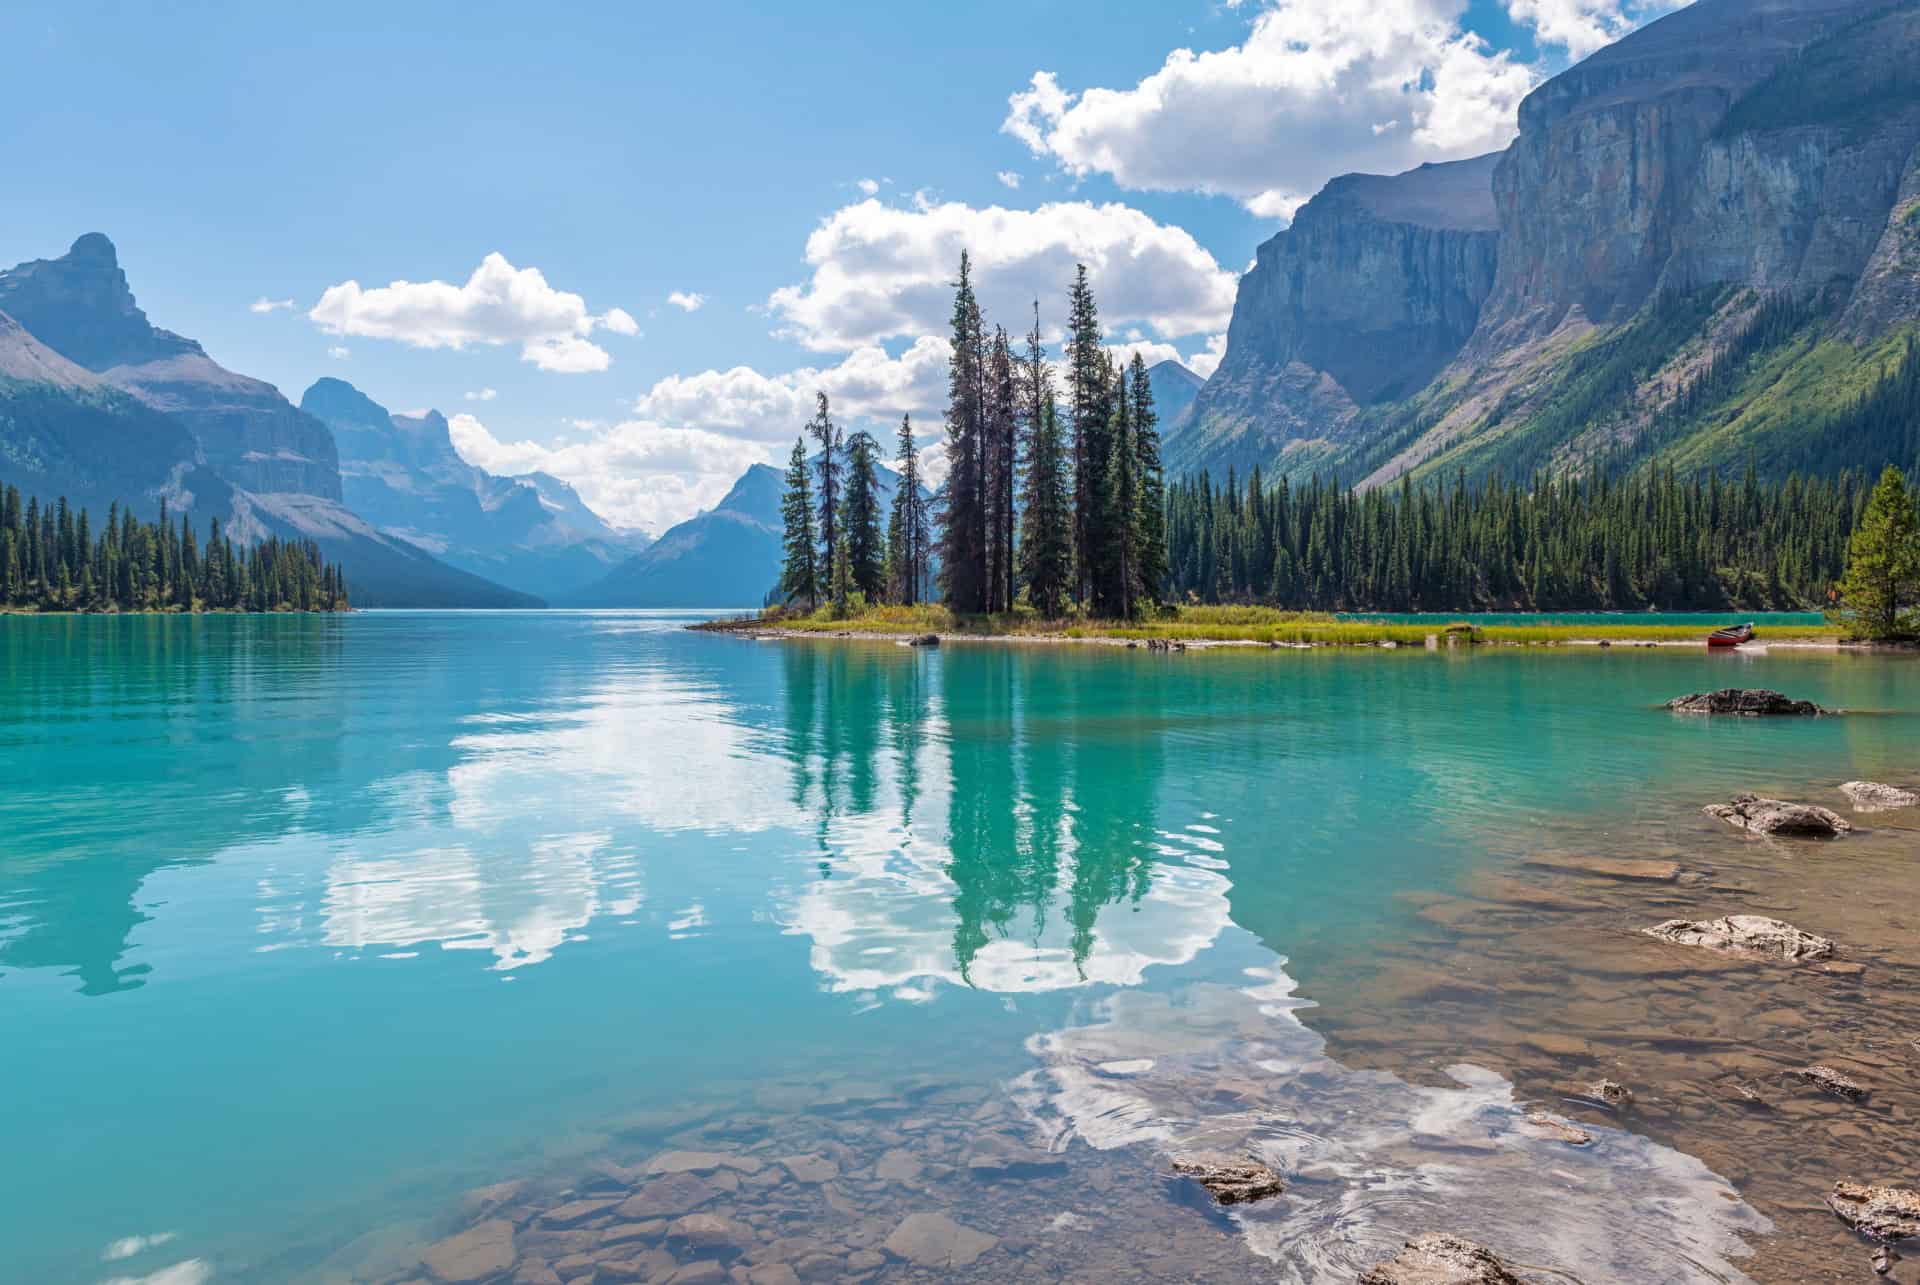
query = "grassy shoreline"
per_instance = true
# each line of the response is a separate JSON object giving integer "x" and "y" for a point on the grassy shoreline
{"x": 1236, "y": 626}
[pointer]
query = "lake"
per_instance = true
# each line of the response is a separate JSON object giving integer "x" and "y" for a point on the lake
{"x": 310, "y": 925}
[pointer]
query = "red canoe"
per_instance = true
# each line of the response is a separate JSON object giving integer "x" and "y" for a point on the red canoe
{"x": 1731, "y": 636}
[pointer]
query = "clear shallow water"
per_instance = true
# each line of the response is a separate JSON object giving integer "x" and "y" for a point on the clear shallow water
{"x": 307, "y": 925}
{"x": 1705, "y": 619}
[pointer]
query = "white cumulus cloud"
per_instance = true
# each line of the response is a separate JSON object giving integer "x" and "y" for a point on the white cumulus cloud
{"x": 482, "y": 395}
{"x": 264, "y": 305}
{"x": 881, "y": 272}
{"x": 339, "y": 353}
{"x": 1317, "y": 88}
{"x": 499, "y": 304}
{"x": 635, "y": 474}
{"x": 1009, "y": 179}
{"x": 687, "y": 300}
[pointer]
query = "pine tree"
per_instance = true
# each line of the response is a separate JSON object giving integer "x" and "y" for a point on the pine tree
{"x": 860, "y": 518}
{"x": 963, "y": 551}
{"x": 1046, "y": 536}
{"x": 1881, "y": 590}
{"x": 799, "y": 577}
{"x": 907, "y": 529}
{"x": 1120, "y": 507}
{"x": 1001, "y": 431}
{"x": 827, "y": 434}
{"x": 1088, "y": 386}
{"x": 1151, "y": 541}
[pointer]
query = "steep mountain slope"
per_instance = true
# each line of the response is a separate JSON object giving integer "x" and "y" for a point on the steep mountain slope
{"x": 1728, "y": 193}
{"x": 729, "y": 556}
{"x": 404, "y": 476}
{"x": 65, "y": 431}
{"x": 134, "y": 412}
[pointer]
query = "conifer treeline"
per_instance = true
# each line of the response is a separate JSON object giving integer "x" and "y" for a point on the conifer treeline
{"x": 1063, "y": 514}
{"x": 1653, "y": 540}
{"x": 52, "y": 560}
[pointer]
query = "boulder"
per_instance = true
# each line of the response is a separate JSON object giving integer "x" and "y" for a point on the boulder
{"x": 1439, "y": 1259}
{"x": 1756, "y": 702}
{"x": 704, "y": 1272}
{"x": 1871, "y": 796}
{"x": 935, "y": 1240}
{"x": 924, "y": 640}
{"x": 1772, "y": 816}
{"x": 1885, "y": 1214}
{"x": 479, "y": 1253}
{"x": 1828, "y": 1080}
{"x": 1230, "y": 1179}
{"x": 1745, "y": 934}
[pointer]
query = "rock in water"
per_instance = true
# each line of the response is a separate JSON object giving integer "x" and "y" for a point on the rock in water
{"x": 1755, "y": 702}
{"x": 1610, "y": 1093}
{"x": 935, "y": 1240}
{"x": 1228, "y": 1178}
{"x": 1828, "y": 1080}
{"x": 1557, "y": 1129}
{"x": 1772, "y": 816}
{"x": 1439, "y": 1259}
{"x": 1871, "y": 796}
{"x": 1885, "y": 1214}
{"x": 1752, "y": 934}
{"x": 479, "y": 1253}
{"x": 925, "y": 640}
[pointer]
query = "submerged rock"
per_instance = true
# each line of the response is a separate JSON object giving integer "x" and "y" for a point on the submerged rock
{"x": 1557, "y": 1129}
{"x": 1439, "y": 1259}
{"x": 479, "y": 1253}
{"x": 1632, "y": 871}
{"x": 1754, "y": 702}
{"x": 1745, "y": 934}
{"x": 935, "y": 1240}
{"x": 1772, "y": 816}
{"x": 1230, "y": 1179}
{"x": 1608, "y": 1093}
{"x": 1884, "y": 1214}
{"x": 1871, "y": 796}
{"x": 1828, "y": 1080}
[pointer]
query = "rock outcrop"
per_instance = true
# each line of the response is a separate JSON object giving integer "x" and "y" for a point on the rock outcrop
{"x": 1772, "y": 816}
{"x": 1439, "y": 1259}
{"x": 1363, "y": 300}
{"x": 1745, "y": 934}
{"x": 1755, "y": 702}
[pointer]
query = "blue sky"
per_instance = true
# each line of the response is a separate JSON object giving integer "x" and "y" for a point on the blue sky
{"x": 805, "y": 171}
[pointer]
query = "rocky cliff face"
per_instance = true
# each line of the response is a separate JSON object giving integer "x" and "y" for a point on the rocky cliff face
{"x": 1371, "y": 292}
{"x": 81, "y": 306}
{"x": 1733, "y": 152}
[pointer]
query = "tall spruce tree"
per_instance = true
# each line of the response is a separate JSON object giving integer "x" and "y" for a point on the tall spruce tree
{"x": 1002, "y": 431}
{"x": 1151, "y": 540}
{"x": 860, "y": 518}
{"x": 827, "y": 434}
{"x": 907, "y": 534}
{"x": 1120, "y": 509}
{"x": 1880, "y": 594}
{"x": 1046, "y": 488}
{"x": 963, "y": 526}
{"x": 800, "y": 576}
{"x": 1088, "y": 387}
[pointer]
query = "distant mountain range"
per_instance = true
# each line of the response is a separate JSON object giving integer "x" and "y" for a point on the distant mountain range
{"x": 1703, "y": 247}
{"x": 100, "y": 406}
{"x": 729, "y": 556}
{"x": 403, "y": 474}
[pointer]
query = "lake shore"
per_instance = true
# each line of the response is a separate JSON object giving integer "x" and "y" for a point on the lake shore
{"x": 1204, "y": 628}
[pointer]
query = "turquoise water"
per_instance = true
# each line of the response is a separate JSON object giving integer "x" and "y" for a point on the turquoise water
{"x": 307, "y": 924}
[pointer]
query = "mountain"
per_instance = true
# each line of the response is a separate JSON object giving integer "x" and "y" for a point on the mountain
{"x": 729, "y": 556}
{"x": 1174, "y": 389}
{"x": 134, "y": 413}
{"x": 1703, "y": 247}
{"x": 402, "y": 473}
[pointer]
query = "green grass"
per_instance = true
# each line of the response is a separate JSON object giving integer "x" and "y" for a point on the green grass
{"x": 1261, "y": 625}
